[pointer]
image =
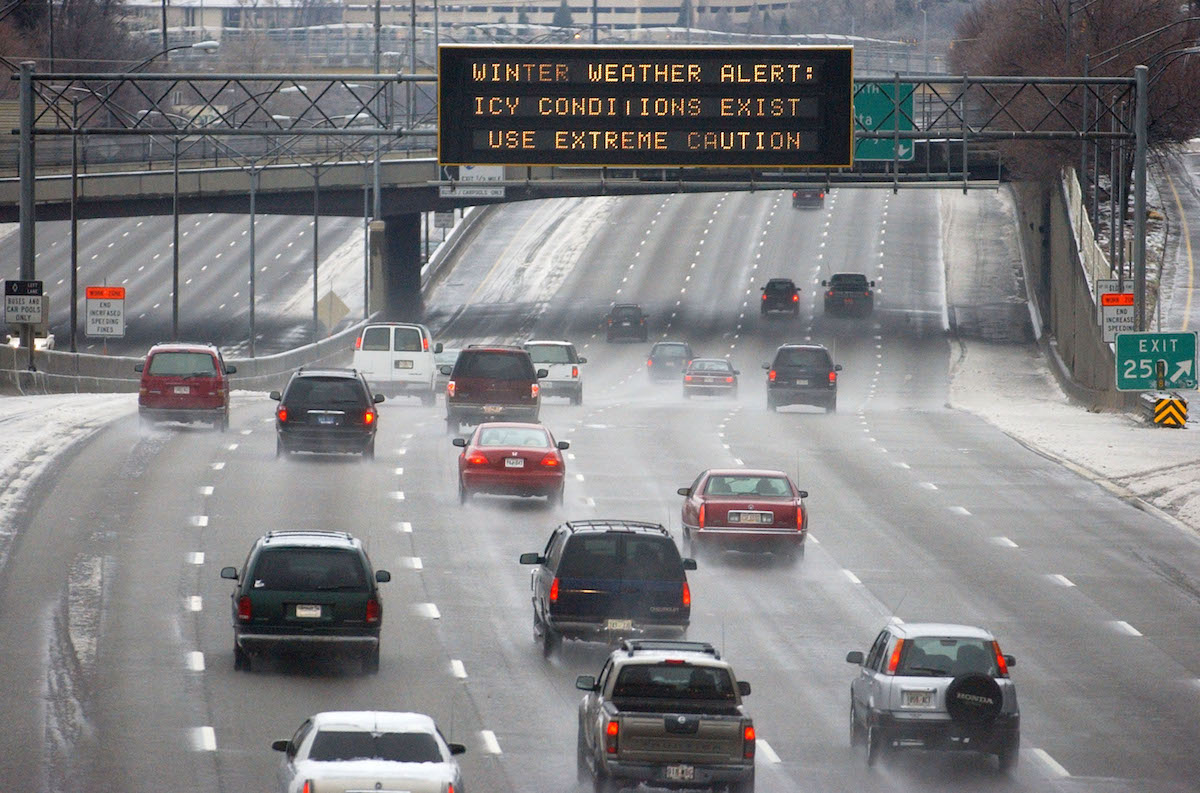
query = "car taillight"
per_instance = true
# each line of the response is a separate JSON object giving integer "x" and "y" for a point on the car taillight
{"x": 281, "y": 414}
{"x": 550, "y": 460}
{"x": 748, "y": 742}
{"x": 821, "y": 195}
{"x": 611, "y": 733}
{"x": 1001, "y": 664}
{"x": 799, "y": 517}
{"x": 771, "y": 375}
{"x": 374, "y": 610}
{"x": 894, "y": 661}
{"x": 687, "y": 595}
{"x": 477, "y": 458}
{"x": 764, "y": 296}
{"x": 649, "y": 362}
{"x": 533, "y": 390}
{"x": 358, "y": 343}
{"x": 687, "y": 378}
{"x": 795, "y": 194}
{"x": 574, "y": 371}
{"x": 795, "y": 298}
{"x": 554, "y": 591}
{"x": 450, "y": 388}
{"x": 832, "y": 376}
{"x": 244, "y": 608}
{"x": 449, "y": 787}
{"x": 829, "y": 293}
{"x": 866, "y": 294}
{"x": 728, "y": 379}
{"x": 424, "y": 344}
{"x": 610, "y": 320}
{"x": 369, "y": 417}
{"x": 308, "y": 787}
{"x": 700, "y": 517}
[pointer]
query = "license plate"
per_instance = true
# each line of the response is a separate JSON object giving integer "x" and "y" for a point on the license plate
{"x": 750, "y": 517}
{"x": 492, "y": 408}
{"x": 619, "y": 625}
{"x": 327, "y": 419}
{"x": 680, "y": 773}
{"x": 849, "y": 301}
{"x": 183, "y": 389}
{"x": 625, "y": 324}
{"x": 801, "y": 382}
{"x": 917, "y": 699}
{"x": 308, "y": 612}
{"x": 403, "y": 364}
{"x": 514, "y": 462}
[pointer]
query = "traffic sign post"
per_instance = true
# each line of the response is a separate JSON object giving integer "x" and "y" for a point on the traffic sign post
{"x": 875, "y": 111}
{"x": 1117, "y": 315}
{"x": 105, "y": 311}
{"x": 1156, "y": 361}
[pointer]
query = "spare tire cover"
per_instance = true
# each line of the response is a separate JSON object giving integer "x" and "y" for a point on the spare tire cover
{"x": 974, "y": 699}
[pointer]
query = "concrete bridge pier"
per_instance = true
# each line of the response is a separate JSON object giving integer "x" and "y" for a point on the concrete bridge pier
{"x": 396, "y": 267}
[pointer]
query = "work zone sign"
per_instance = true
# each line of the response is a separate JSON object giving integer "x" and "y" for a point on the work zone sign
{"x": 105, "y": 311}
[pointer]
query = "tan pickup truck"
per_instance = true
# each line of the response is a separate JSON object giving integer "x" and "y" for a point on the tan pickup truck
{"x": 667, "y": 713}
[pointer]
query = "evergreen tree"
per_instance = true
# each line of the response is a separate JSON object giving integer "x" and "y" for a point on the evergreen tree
{"x": 685, "y": 19}
{"x": 562, "y": 17}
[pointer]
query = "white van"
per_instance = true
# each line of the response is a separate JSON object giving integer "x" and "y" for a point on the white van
{"x": 559, "y": 358}
{"x": 397, "y": 358}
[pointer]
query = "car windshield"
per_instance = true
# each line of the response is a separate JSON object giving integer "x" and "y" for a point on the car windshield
{"x": 933, "y": 656}
{"x": 673, "y": 681}
{"x": 771, "y": 486}
{"x": 710, "y": 366}
{"x": 494, "y": 366}
{"x": 375, "y": 340}
{"x": 803, "y": 357}
{"x": 551, "y": 353}
{"x": 780, "y": 286}
{"x": 669, "y": 351}
{"x": 398, "y": 747}
{"x": 324, "y": 391}
{"x": 309, "y": 570}
{"x": 629, "y": 557}
{"x": 183, "y": 364}
{"x": 513, "y": 436}
{"x": 848, "y": 281}
{"x": 626, "y": 312}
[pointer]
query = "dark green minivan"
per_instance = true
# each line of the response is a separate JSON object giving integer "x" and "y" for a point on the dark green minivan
{"x": 306, "y": 592}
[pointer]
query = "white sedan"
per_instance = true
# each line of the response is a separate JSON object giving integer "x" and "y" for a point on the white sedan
{"x": 340, "y": 751}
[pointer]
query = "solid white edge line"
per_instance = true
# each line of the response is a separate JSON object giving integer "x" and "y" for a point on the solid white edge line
{"x": 1125, "y": 627}
{"x": 1055, "y": 767}
{"x": 204, "y": 739}
{"x": 431, "y": 610}
{"x": 853, "y": 578}
{"x": 457, "y": 669}
{"x": 195, "y": 661}
{"x": 491, "y": 745}
{"x": 765, "y": 749}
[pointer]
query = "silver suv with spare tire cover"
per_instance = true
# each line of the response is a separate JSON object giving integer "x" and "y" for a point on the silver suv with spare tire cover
{"x": 935, "y": 686}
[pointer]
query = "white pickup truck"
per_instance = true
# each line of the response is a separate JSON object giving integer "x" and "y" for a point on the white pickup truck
{"x": 564, "y": 365}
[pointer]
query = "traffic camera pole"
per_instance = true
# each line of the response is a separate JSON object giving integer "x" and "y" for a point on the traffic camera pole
{"x": 1140, "y": 74}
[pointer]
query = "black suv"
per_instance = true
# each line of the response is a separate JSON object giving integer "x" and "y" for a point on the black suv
{"x": 607, "y": 580}
{"x": 492, "y": 383}
{"x": 849, "y": 293}
{"x": 626, "y": 321}
{"x": 780, "y": 294}
{"x": 802, "y": 374}
{"x": 326, "y": 410}
{"x": 668, "y": 359}
{"x": 304, "y": 591}
{"x": 808, "y": 198}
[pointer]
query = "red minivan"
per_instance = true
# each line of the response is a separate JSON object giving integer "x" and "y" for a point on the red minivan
{"x": 492, "y": 383}
{"x": 184, "y": 382}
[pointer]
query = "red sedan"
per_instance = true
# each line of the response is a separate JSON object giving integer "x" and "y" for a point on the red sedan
{"x": 744, "y": 510}
{"x": 510, "y": 458}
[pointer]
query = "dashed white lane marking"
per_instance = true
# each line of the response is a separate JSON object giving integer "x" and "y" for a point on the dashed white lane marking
{"x": 414, "y": 562}
{"x": 591, "y": 502}
{"x": 853, "y": 578}
{"x": 1125, "y": 627}
{"x": 490, "y": 744}
{"x": 738, "y": 461}
{"x": 204, "y": 739}
{"x": 960, "y": 510}
{"x": 813, "y": 540}
{"x": 402, "y": 451}
{"x": 396, "y": 495}
{"x": 206, "y": 490}
{"x": 570, "y": 455}
{"x": 1053, "y": 765}
{"x": 1005, "y": 542}
{"x": 247, "y": 432}
{"x": 430, "y": 610}
{"x": 195, "y": 603}
{"x": 905, "y": 466}
{"x": 399, "y": 472}
{"x": 765, "y": 750}
{"x": 196, "y": 557}
{"x": 457, "y": 669}
{"x": 195, "y": 661}
{"x": 231, "y": 446}
{"x": 404, "y": 527}
{"x": 217, "y": 466}
{"x": 578, "y": 477}
{"x": 200, "y": 521}
{"x": 1061, "y": 580}
{"x": 927, "y": 485}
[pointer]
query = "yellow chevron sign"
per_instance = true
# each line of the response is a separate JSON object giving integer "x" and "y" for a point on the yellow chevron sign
{"x": 1170, "y": 412}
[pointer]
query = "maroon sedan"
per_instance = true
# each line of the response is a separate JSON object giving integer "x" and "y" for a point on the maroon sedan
{"x": 510, "y": 458}
{"x": 744, "y": 510}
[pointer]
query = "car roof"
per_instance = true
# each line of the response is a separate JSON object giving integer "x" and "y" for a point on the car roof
{"x": 396, "y": 325}
{"x": 781, "y": 281}
{"x": 913, "y": 630}
{"x": 656, "y": 652}
{"x": 803, "y": 347}
{"x": 716, "y": 360}
{"x": 658, "y": 344}
{"x": 627, "y": 305}
{"x": 508, "y": 348}
{"x": 183, "y": 346}
{"x": 602, "y": 525}
{"x": 310, "y": 538}
{"x": 849, "y": 275}
{"x": 521, "y": 425}
{"x": 374, "y": 721}
{"x": 558, "y": 342}
{"x": 326, "y": 373}
{"x": 744, "y": 472}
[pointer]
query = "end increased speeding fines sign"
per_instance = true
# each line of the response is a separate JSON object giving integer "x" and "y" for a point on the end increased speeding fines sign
{"x": 645, "y": 106}
{"x": 105, "y": 311}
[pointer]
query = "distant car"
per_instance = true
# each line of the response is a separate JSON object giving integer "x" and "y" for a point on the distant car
{"x": 710, "y": 376}
{"x": 306, "y": 591}
{"x": 802, "y": 374}
{"x": 626, "y": 321}
{"x": 492, "y": 383}
{"x": 780, "y": 294}
{"x": 444, "y": 360}
{"x": 849, "y": 293}
{"x": 935, "y": 686}
{"x": 183, "y": 381}
{"x": 744, "y": 510}
{"x": 808, "y": 198}
{"x": 398, "y": 358}
{"x": 507, "y": 458}
{"x": 369, "y": 750}
{"x": 41, "y": 340}
{"x": 326, "y": 410}
{"x": 564, "y": 367}
{"x": 607, "y": 580}
{"x": 668, "y": 359}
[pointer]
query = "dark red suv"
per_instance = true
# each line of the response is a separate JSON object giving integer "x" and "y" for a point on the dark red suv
{"x": 492, "y": 383}
{"x": 184, "y": 382}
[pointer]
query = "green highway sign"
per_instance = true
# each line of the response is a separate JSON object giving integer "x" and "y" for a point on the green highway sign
{"x": 875, "y": 111}
{"x": 1156, "y": 361}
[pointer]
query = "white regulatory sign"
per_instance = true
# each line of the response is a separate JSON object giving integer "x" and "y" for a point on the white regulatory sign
{"x": 1105, "y": 286}
{"x": 443, "y": 220}
{"x": 460, "y": 191}
{"x": 1117, "y": 315}
{"x": 105, "y": 311}
{"x": 23, "y": 309}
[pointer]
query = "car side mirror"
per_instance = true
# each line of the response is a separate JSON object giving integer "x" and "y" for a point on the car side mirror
{"x": 583, "y": 360}
{"x": 137, "y": 367}
{"x": 459, "y": 442}
{"x": 689, "y": 564}
{"x": 564, "y": 445}
{"x": 743, "y": 688}
{"x": 230, "y": 370}
{"x": 281, "y": 745}
{"x": 275, "y": 395}
{"x": 803, "y": 494}
{"x": 543, "y": 373}
{"x": 229, "y": 572}
{"x": 854, "y": 657}
{"x": 437, "y": 348}
{"x": 445, "y": 369}
{"x": 456, "y": 748}
{"x": 684, "y": 491}
{"x": 824, "y": 283}
{"x": 586, "y": 682}
{"x": 837, "y": 367}
{"x": 532, "y": 558}
{"x": 377, "y": 398}
{"x": 872, "y": 283}
{"x": 1010, "y": 660}
{"x": 766, "y": 366}
{"x": 735, "y": 371}
{"x": 383, "y": 576}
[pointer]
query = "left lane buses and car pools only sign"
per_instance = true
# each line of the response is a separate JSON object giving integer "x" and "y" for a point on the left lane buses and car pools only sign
{"x": 24, "y": 303}
{"x": 645, "y": 106}
{"x": 105, "y": 311}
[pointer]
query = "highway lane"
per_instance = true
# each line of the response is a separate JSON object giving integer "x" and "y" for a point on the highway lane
{"x": 918, "y": 511}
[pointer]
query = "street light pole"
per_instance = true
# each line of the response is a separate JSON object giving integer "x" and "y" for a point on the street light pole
{"x": 74, "y": 221}
{"x": 1141, "y": 74}
{"x": 165, "y": 46}
{"x": 315, "y": 244}
{"x": 175, "y": 240}
{"x": 253, "y": 192}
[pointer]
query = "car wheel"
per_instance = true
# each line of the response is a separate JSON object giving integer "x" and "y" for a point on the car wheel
{"x": 1007, "y": 757}
{"x": 877, "y": 744}
{"x": 743, "y": 785}
{"x": 551, "y": 641}
{"x": 831, "y": 407}
{"x": 451, "y": 426}
{"x": 577, "y": 397}
{"x": 687, "y": 394}
{"x": 370, "y": 661}
{"x": 555, "y": 499}
{"x": 241, "y": 659}
{"x": 858, "y": 735}
{"x": 602, "y": 782}
{"x": 582, "y": 772}
{"x": 368, "y": 452}
{"x": 222, "y": 424}
{"x": 771, "y": 406}
{"x": 429, "y": 397}
{"x": 463, "y": 495}
{"x": 280, "y": 449}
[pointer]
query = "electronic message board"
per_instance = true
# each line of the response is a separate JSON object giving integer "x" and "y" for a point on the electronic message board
{"x": 645, "y": 106}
